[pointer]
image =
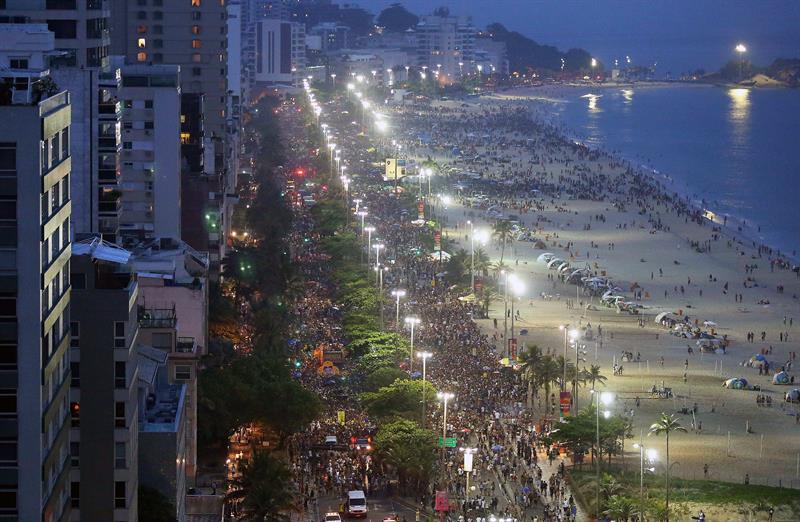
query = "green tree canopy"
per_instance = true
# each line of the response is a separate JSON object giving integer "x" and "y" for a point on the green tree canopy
{"x": 154, "y": 506}
{"x": 402, "y": 398}
{"x": 409, "y": 448}
{"x": 264, "y": 488}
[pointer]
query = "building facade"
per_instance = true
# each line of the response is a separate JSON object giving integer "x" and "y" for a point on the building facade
{"x": 280, "y": 52}
{"x": 445, "y": 43}
{"x": 35, "y": 247}
{"x": 151, "y": 152}
{"x": 104, "y": 328}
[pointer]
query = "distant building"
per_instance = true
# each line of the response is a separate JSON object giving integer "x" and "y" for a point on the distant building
{"x": 151, "y": 160}
{"x": 280, "y": 52}
{"x": 332, "y": 36}
{"x": 444, "y": 42}
{"x": 490, "y": 55}
{"x": 35, "y": 167}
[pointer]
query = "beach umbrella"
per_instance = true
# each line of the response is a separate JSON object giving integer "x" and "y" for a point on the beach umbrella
{"x": 737, "y": 383}
{"x": 793, "y": 395}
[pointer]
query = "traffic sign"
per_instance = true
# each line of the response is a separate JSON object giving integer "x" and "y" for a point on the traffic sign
{"x": 449, "y": 442}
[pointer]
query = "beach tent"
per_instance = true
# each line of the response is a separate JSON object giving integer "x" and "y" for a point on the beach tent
{"x": 435, "y": 255}
{"x": 709, "y": 323}
{"x": 737, "y": 383}
{"x": 793, "y": 395}
{"x": 780, "y": 378}
{"x": 546, "y": 257}
{"x": 669, "y": 316}
{"x": 562, "y": 267}
{"x": 758, "y": 360}
{"x": 556, "y": 261}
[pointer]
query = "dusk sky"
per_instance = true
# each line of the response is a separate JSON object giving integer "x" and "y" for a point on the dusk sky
{"x": 679, "y": 34}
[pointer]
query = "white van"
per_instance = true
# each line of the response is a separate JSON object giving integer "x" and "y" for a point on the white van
{"x": 356, "y": 504}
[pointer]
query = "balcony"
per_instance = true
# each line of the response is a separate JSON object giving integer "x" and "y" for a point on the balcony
{"x": 157, "y": 317}
{"x": 111, "y": 107}
{"x": 185, "y": 345}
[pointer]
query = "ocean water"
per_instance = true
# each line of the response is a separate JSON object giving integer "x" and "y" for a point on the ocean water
{"x": 736, "y": 149}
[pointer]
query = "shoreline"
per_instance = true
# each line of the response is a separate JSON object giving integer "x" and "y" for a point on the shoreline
{"x": 666, "y": 182}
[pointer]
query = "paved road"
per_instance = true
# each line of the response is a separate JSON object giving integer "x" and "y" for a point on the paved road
{"x": 379, "y": 507}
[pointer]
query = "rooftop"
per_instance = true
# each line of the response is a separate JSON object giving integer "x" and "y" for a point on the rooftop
{"x": 172, "y": 260}
{"x": 165, "y": 402}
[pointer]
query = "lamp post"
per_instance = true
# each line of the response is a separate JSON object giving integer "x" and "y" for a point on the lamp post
{"x": 444, "y": 397}
{"x": 424, "y": 356}
{"x": 567, "y": 333}
{"x": 362, "y": 214}
{"x": 468, "y": 453}
{"x": 398, "y": 293}
{"x": 517, "y": 289}
{"x": 607, "y": 398}
{"x": 471, "y": 256}
{"x": 378, "y": 247}
{"x": 379, "y": 269}
{"x": 369, "y": 230}
{"x": 652, "y": 456}
{"x": 412, "y": 322}
{"x": 357, "y": 201}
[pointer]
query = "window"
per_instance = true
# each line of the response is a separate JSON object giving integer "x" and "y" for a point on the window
{"x": 141, "y": 43}
{"x": 120, "y": 374}
{"x": 186, "y": 138}
{"x": 183, "y": 372}
{"x": 75, "y": 414}
{"x": 195, "y": 29}
{"x": 158, "y": 44}
{"x": 142, "y": 57}
{"x": 8, "y": 159}
{"x": 119, "y": 494}
{"x": 148, "y": 125}
{"x": 46, "y": 155}
{"x": 8, "y": 305}
{"x": 195, "y": 3}
{"x": 158, "y": 29}
{"x": 8, "y": 451}
{"x": 8, "y": 403}
{"x": 8, "y": 355}
{"x": 141, "y": 29}
{"x": 141, "y": 2}
{"x": 75, "y": 494}
{"x": 197, "y": 15}
{"x": 119, "y": 334}
{"x": 65, "y": 142}
{"x": 8, "y": 501}
{"x": 75, "y": 453}
{"x": 18, "y": 63}
{"x": 119, "y": 414}
{"x": 158, "y": 57}
{"x": 197, "y": 71}
{"x": 158, "y": 3}
{"x": 8, "y": 209}
{"x": 75, "y": 371}
{"x": 63, "y": 29}
{"x": 196, "y": 58}
{"x": 158, "y": 15}
{"x": 120, "y": 460}
{"x": 141, "y": 15}
{"x": 196, "y": 43}
{"x": 148, "y": 104}
{"x": 127, "y": 145}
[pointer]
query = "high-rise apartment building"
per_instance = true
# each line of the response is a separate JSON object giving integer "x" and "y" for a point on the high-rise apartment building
{"x": 150, "y": 163}
{"x": 104, "y": 442}
{"x": 444, "y": 42}
{"x": 35, "y": 163}
{"x": 280, "y": 52}
{"x": 82, "y": 39}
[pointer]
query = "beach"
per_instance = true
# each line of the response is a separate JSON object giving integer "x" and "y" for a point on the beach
{"x": 595, "y": 210}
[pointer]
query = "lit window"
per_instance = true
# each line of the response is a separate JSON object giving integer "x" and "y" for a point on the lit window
{"x": 142, "y": 43}
{"x": 195, "y": 3}
{"x": 196, "y": 57}
{"x": 141, "y": 29}
{"x": 185, "y": 138}
{"x": 196, "y": 44}
{"x": 142, "y": 57}
{"x": 195, "y": 29}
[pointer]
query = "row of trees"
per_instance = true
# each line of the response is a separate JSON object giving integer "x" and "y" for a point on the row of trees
{"x": 389, "y": 396}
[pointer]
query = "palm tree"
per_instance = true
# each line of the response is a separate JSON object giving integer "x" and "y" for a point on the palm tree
{"x": 264, "y": 488}
{"x": 549, "y": 373}
{"x": 666, "y": 424}
{"x": 594, "y": 376}
{"x": 620, "y": 508}
{"x": 482, "y": 262}
{"x": 501, "y": 231}
{"x": 531, "y": 360}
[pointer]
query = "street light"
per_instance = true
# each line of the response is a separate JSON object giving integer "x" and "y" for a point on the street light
{"x": 517, "y": 290}
{"x": 357, "y": 201}
{"x": 378, "y": 247}
{"x": 607, "y": 398}
{"x": 424, "y": 356}
{"x": 571, "y": 334}
{"x": 412, "y": 322}
{"x": 369, "y": 230}
{"x": 468, "y": 453}
{"x": 652, "y": 456}
{"x": 397, "y": 294}
{"x": 444, "y": 397}
{"x": 362, "y": 214}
